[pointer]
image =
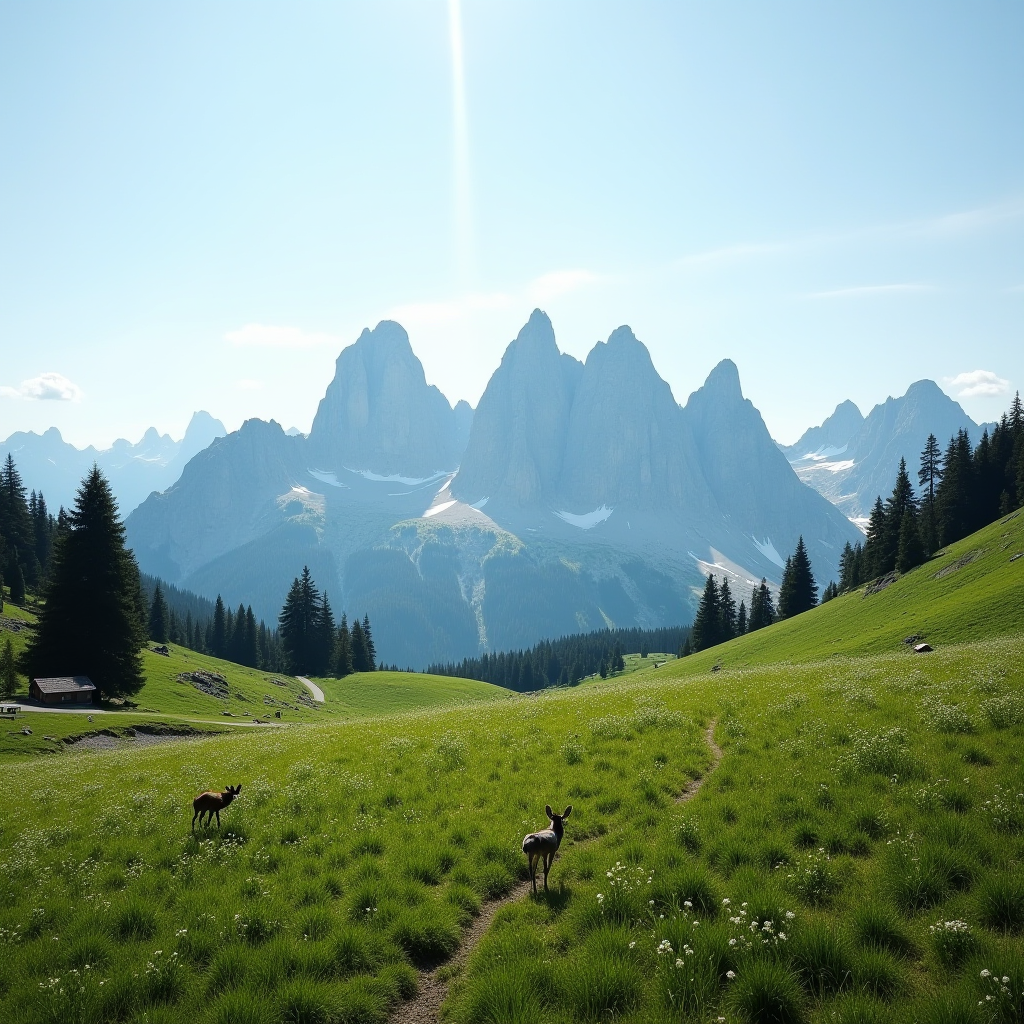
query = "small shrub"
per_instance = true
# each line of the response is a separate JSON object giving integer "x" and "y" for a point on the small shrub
{"x": 163, "y": 978}
{"x": 878, "y": 753}
{"x": 1001, "y": 903}
{"x": 821, "y": 957}
{"x": 691, "y": 885}
{"x": 952, "y": 942}
{"x": 767, "y": 993}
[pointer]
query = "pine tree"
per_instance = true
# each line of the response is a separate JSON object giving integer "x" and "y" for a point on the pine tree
{"x": 15, "y": 521}
{"x": 707, "y": 622}
{"x": 874, "y": 545}
{"x": 954, "y": 496}
{"x": 618, "y": 662}
{"x": 343, "y": 656}
{"x": 849, "y": 568}
{"x": 17, "y": 579}
{"x": 158, "y": 617}
{"x": 686, "y": 650}
{"x": 238, "y": 643}
{"x": 726, "y": 611}
{"x": 831, "y": 590}
{"x": 371, "y": 651}
{"x": 8, "y": 671}
{"x": 90, "y": 622}
{"x": 741, "y": 620}
{"x": 360, "y": 656}
{"x": 799, "y": 592}
{"x": 298, "y": 622}
{"x": 217, "y": 642}
{"x": 251, "y": 654}
{"x": 930, "y": 473}
{"x": 911, "y": 550}
{"x": 901, "y": 499}
{"x": 324, "y": 637}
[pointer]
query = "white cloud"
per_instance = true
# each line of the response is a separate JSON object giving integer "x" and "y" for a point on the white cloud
{"x": 862, "y": 291}
{"x": 269, "y": 336}
{"x": 540, "y": 290}
{"x": 47, "y": 387}
{"x": 979, "y": 384}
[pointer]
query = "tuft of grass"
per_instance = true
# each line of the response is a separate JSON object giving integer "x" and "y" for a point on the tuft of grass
{"x": 766, "y": 992}
{"x": 133, "y": 921}
{"x": 821, "y": 956}
{"x": 1000, "y": 902}
{"x": 877, "y": 926}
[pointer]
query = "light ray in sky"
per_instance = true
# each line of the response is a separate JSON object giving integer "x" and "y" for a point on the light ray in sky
{"x": 464, "y": 258}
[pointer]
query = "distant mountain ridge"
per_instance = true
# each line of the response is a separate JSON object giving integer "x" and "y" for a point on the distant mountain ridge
{"x": 852, "y": 463}
{"x": 576, "y": 496}
{"x": 52, "y": 465}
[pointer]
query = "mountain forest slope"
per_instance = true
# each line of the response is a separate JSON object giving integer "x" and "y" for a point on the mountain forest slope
{"x": 576, "y": 496}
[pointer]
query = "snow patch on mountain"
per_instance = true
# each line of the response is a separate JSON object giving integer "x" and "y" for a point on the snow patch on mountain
{"x": 767, "y": 548}
{"x": 325, "y": 477}
{"x": 433, "y": 511}
{"x": 588, "y": 520}
{"x": 394, "y": 478}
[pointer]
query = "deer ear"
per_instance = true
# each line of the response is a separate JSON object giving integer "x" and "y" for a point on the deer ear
{"x": 547, "y": 810}
{"x": 567, "y": 812}
{"x": 238, "y": 788}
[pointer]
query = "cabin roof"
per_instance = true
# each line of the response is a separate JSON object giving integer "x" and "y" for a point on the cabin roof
{"x": 64, "y": 684}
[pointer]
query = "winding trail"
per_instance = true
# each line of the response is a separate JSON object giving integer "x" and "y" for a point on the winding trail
{"x": 425, "y": 1006}
{"x": 318, "y": 694}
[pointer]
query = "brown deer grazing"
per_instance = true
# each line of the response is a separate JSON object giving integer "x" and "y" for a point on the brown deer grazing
{"x": 211, "y": 803}
{"x": 545, "y": 844}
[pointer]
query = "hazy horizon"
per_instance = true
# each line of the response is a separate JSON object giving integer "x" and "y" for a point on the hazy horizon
{"x": 202, "y": 207}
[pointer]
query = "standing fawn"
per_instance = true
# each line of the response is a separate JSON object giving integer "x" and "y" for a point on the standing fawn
{"x": 211, "y": 803}
{"x": 545, "y": 844}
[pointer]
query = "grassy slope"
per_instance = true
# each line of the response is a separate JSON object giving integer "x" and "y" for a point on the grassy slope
{"x": 374, "y": 693}
{"x": 357, "y": 849}
{"x": 380, "y": 693}
{"x": 980, "y": 600}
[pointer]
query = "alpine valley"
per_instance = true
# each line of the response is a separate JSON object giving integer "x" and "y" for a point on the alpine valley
{"x": 577, "y": 495}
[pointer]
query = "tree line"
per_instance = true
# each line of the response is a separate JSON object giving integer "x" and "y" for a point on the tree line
{"x": 313, "y": 643}
{"x": 961, "y": 490}
{"x": 718, "y": 619}
{"x": 27, "y": 532}
{"x": 96, "y": 611}
{"x": 566, "y": 660}
{"x": 231, "y": 635}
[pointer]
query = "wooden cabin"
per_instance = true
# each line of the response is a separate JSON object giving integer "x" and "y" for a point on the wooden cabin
{"x": 63, "y": 690}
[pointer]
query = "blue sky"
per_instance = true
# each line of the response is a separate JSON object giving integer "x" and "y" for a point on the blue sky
{"x": 201, "y": 204}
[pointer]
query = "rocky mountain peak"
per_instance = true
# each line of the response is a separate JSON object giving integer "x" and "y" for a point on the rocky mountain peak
{"x": 724, "y": 382}
{"x": 380, "y": 414}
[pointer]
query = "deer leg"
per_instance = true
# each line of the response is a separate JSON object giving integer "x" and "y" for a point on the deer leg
{"x": 533, "y": 877}
{"x": 547, "y": 865}
{"x": 195, "y": 814}
{"x": 218, "y": 817}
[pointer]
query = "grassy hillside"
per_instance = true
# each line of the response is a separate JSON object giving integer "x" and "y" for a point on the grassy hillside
{"x": 383, "y": 693}
{"x": 249, "y": 693}
{"x": 970, "y": 591}
{"x": 856, "y": 856}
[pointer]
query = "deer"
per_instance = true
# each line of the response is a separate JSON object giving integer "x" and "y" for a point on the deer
{"x": 211, "y": 803}
{"x": 544, "y": 844}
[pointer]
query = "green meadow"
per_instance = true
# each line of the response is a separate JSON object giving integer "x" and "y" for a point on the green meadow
{"x": 855, "y": 855}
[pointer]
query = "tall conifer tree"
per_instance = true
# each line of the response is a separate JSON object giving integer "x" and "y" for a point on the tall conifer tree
{"x": 799, "y": 592}
{"x": 90, "y": 622}
{"x": 158, "y": 616}
{"x": 707, "y": 622}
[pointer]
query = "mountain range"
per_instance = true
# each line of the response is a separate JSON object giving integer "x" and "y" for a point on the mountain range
{"x": 50, "y": 464}
{"x": 851, "y": 459}
{"x": 577, "y": 495}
